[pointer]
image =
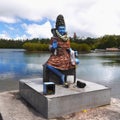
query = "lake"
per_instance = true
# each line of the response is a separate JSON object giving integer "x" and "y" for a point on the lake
{"x": 102, "y": 68}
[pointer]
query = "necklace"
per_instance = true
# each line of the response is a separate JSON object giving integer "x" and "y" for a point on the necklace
{"x": 63, "y": 37}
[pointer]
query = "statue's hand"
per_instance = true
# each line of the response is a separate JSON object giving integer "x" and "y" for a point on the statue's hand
{"x": 77, "y": 61}
{"x": 76, "y": 53}
{"x": 54, "y": 44}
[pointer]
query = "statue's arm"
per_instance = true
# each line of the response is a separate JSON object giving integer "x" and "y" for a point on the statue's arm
{"x": 53, "y": 45}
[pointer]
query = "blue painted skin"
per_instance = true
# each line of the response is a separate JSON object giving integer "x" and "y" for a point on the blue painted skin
{"x": 54, "y": 44}
{"x": 77, "y": 61}
{"x": 58, "y": 73}
{"x": 76, "y": 55}
{"x": 62, "y": 30}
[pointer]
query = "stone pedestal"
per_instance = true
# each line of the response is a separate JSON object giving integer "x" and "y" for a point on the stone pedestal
{"x": 65, "y": 100}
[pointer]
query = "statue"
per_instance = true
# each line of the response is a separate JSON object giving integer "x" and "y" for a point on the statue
{"x": 62, "y": 59}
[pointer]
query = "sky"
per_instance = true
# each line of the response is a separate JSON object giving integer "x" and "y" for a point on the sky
{"x": 27, "y": 19}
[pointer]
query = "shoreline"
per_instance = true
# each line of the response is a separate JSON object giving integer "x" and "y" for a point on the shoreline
{"x": 11, "y": 105}
{"x": 8, "y": 85}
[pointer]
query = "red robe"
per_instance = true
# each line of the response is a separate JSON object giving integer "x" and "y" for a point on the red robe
{"x": 62, "y": 59}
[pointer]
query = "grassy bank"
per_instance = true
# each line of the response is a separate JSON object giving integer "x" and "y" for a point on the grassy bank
{"x": 45, "y": 47}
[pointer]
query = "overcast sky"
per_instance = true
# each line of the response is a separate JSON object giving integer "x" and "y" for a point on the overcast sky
{"x": 21, "y": 19}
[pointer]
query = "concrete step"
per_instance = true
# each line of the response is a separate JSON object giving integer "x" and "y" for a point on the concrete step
{"x": 65, "y": 100}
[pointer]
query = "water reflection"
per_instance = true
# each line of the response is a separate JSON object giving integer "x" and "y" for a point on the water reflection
{"x": 112, "y": 63}
{"x": 15, "y": 64}
{"x": 97, "y": 67}
{"x": 103, "y": 68}
{"x": 100, "y": 67}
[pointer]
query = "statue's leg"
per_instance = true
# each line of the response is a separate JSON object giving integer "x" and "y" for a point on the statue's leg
{"x": 57, "y": 72}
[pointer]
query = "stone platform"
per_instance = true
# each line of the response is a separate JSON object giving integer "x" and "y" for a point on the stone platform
{"x": 65, "y": 100}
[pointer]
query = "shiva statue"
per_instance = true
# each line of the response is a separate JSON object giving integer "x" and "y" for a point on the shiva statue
{"x": 62, "y": 57}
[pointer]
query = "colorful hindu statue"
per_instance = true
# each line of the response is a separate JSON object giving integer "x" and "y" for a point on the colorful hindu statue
{"x": 62, "y": 56}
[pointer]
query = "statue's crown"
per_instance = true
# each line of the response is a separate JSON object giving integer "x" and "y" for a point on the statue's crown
{"x": 60, "y": 21}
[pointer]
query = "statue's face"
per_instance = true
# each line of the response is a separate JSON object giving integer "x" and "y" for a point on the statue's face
{"x": 62, "y": 30}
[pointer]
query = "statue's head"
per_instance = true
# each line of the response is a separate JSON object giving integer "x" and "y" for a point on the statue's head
{"x": 60, "y": 29}
{"x": 60, "y": 25}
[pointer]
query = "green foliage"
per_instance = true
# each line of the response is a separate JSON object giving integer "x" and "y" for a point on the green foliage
{"x": 35, "y": 46}
{"x": 108, "y": 41}
{"x": 19, "y": 43}
{"x": 74, "y": 46}
{"x": 84, "y": 45}
{"x": 81, "y": 47}
{"x": 10, "y": 44}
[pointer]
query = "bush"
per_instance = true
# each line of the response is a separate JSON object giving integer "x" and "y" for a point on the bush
{"x": 45, "y": 47}
{"x": 80, "y": 47}
{"x": 84, "y": 47}
{"x": 35, "y": 46}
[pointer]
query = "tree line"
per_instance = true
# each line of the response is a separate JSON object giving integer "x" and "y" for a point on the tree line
{"x": 81, "y": 45}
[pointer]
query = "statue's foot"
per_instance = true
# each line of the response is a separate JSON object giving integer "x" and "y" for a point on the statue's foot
{"x": 66, "y": 85}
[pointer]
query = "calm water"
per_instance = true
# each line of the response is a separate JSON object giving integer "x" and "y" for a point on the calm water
{"x": 103, "y": 68}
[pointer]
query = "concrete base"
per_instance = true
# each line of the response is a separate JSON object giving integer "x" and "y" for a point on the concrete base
{"x": 65, "y": 100}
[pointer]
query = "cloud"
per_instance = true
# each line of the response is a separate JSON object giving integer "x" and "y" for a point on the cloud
{"x": 34, "y": 66}
{"x": 9, "y": 27}
{"x": 103, "y": 17}
{"x": 4, "y": 35}
{"x": 22, "y": 37}
{"x": 85, "y": 17}
{"x": 36, "y": 30}
{"x": 7, "y": 19}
